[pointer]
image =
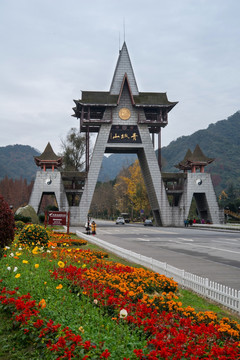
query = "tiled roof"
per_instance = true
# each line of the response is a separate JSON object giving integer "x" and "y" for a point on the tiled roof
{"x": 183, "y": 165}
{"x": 198, "y": 156}
{"x": 195, "y": 158}
{"x": 48, "y": 154}
{"x": 152, "y": 98}
{"x": 98, "y": 98}
{"x": 104, "y": 98}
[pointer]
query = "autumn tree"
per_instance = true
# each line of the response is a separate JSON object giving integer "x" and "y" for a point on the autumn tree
{"x": 131, "y": 188}
{"x": 122, "y": 201}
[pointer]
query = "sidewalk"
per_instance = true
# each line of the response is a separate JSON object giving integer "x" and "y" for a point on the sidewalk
{"x": 222, "y": 227}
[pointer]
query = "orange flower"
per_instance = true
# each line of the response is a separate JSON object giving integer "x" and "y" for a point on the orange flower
{"x": 42, "y": 304}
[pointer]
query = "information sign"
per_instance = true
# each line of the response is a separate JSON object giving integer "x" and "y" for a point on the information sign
{"x": 57, "y": 218}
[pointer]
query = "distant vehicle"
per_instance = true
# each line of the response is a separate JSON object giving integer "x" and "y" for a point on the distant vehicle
{"x": 120, "y": 220}
{"x": 126, "y": 217}
{"x": 148, "y": 222}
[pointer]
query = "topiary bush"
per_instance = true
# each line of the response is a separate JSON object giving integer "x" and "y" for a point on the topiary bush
{"x": 24, "y": 219}
{"x": 33, "y": 235}
{"x": 7, "y": 224}
{"x": 19, "y": 225}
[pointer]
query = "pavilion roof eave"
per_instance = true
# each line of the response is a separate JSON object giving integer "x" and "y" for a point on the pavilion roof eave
{"x": 157, "y": 105}
{"x": 48, "y": 161}
{"x": 199, "y": 163}
{"x": 96, "y": 104}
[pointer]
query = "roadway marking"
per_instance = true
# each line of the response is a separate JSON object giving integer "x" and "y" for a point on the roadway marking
{"x": 105, "y": 232}
{"x": 164, "y": 232}
{"x": 141, "y": 239}
{"x": 229, "y": 241}
{"x": 214, "y": 248}
{"x": 185, "y": 239}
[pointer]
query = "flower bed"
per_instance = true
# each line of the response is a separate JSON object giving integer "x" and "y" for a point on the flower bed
{"x": 64, "y": 240}
{"x": 136, "y": 301}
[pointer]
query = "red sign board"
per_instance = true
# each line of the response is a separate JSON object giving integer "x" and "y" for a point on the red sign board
{"x": 57, "y": 218}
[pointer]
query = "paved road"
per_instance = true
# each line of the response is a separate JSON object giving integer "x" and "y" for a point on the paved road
{"x": 207, "y": 253}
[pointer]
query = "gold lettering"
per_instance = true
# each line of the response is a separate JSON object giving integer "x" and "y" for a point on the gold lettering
{"x": 134, "y": 136}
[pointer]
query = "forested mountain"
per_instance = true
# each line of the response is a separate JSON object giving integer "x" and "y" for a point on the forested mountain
{"x": 112, "y": 165}
{"x": 16, "y": 161}
{"x": 220, "y": 141}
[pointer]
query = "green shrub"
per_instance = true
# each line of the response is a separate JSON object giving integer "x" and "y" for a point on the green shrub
{"x": 19, "y": 217}
{"x": 6, "y": 224}
{"x": 41, "y": 218}
{"x": 19, "y": 225}
{"x": 52, "y": 208}
{"x": 33, "y": 235}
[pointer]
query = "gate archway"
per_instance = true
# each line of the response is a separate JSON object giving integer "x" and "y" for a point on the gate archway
{"x": 125, "y": 121}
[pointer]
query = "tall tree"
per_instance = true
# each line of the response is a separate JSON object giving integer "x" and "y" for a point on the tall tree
{"x": 73, "y": 150}
{"x": 16, "y": 192}
{"x": 103, "y": 202}
{"x": 123, "y": 203}
{"x": 132, "y": 186}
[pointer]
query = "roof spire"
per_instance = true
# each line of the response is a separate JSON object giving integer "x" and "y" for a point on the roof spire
{"x": 123, "y": 67}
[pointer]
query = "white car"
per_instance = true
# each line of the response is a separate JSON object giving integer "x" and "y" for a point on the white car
{"x": 120, "y": 220}
{"x": 148, "y": 222}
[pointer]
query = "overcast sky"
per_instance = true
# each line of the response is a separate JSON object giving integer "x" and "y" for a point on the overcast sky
{"x": 53, "y": 49}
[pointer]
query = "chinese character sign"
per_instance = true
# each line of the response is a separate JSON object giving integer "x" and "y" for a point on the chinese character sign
{"x": 124, "y": 134}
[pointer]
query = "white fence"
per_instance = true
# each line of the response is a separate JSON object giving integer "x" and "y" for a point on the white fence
{"x": 222, "y": 294}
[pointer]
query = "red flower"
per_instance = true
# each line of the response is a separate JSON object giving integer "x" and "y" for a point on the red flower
{"x": 105, "y": 354}
{"x": 38, "y": 324}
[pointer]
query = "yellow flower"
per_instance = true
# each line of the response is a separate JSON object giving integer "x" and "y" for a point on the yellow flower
{"x": 35, "y": 250}
{"x": 25, "y": 262}
{"x": 61, "y": 264}
{"x": 36, "y": 266}
{"x": 59, "y": 287}
{"x": 17, "y": 276}
{"x": 81, "y": 329}
{"x": 45, "y": 283}
{"x": 84, "y": 265}
{"x": 18, "y": 253}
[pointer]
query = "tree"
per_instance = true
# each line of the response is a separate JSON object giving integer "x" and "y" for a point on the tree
{"x": 73, "y": 150}
{"x": 132, "y": 186}
{"x": 6, "y": 224}
{"x": 123, "y": 203}
{"x": 103, "y": 202}
{"x": 16, "y": 192}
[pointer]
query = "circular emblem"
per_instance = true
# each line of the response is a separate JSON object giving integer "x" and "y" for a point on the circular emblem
{"x": 199, "y": 181}
{"x": 48, "y": 181}
{"x": 124, "y": 113}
